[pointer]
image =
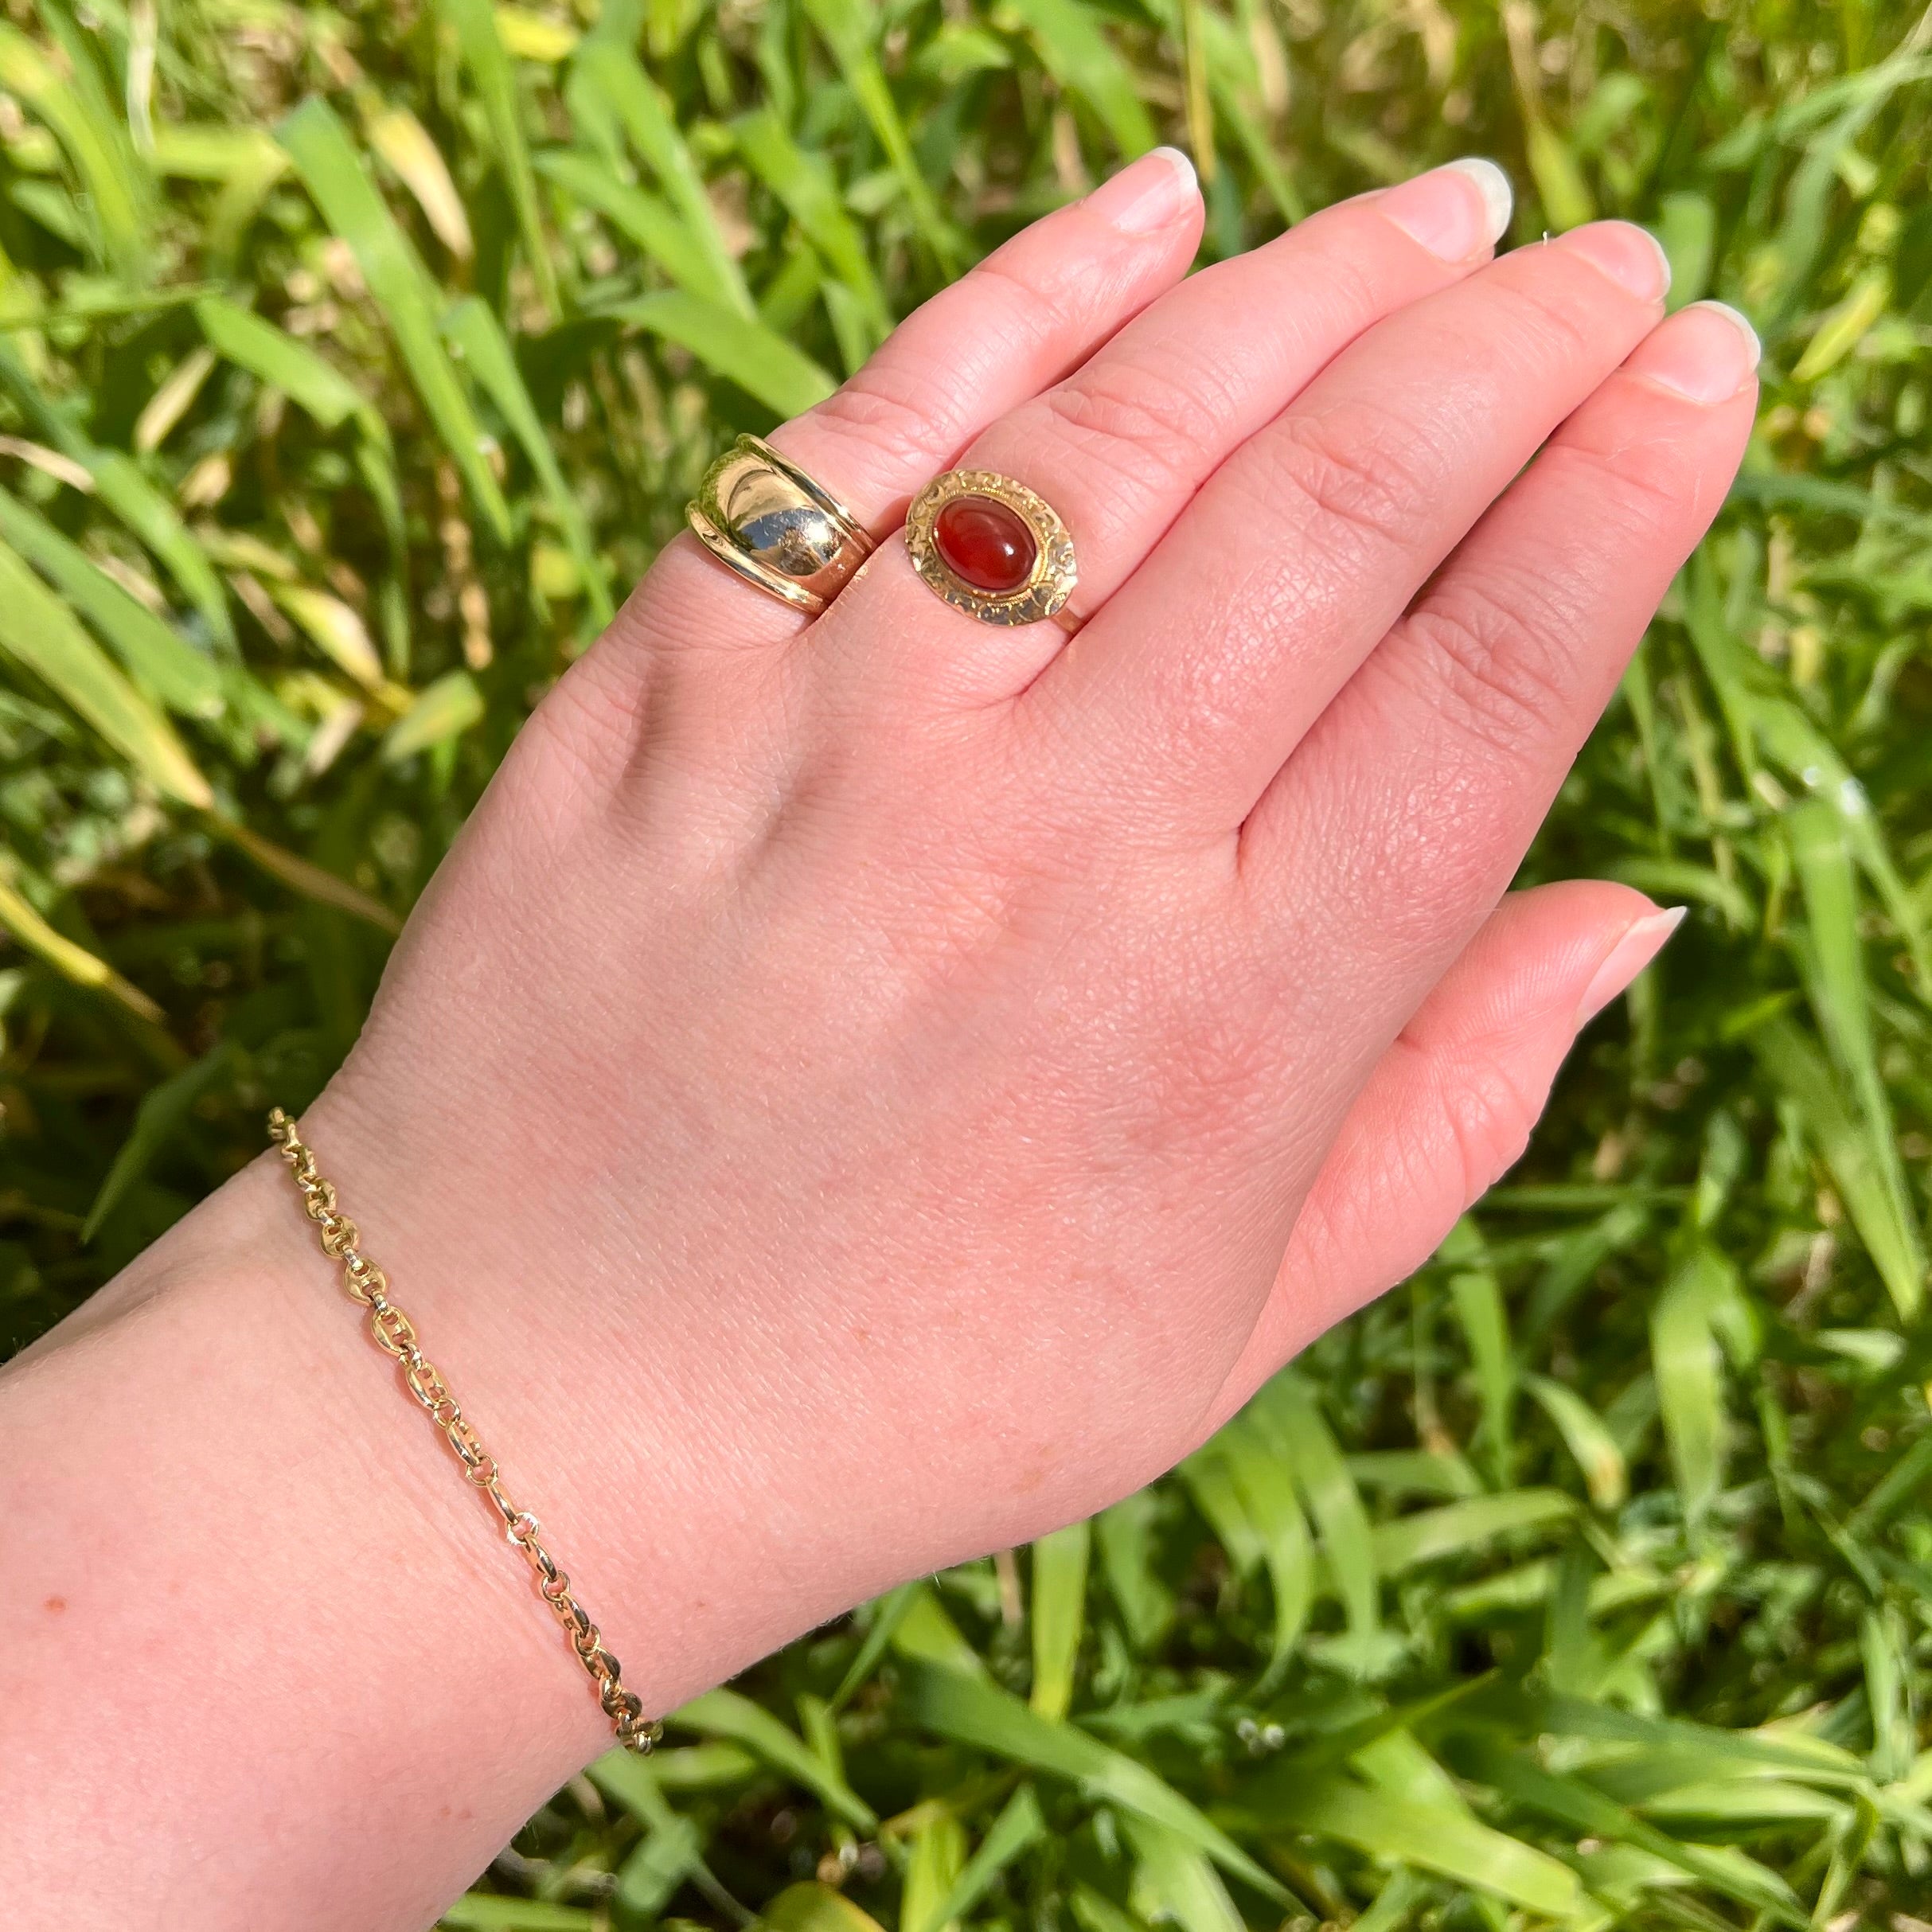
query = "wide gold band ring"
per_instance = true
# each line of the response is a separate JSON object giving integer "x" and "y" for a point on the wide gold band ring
{"x": 991, "y": 547}
{"x": 765, "y": 518}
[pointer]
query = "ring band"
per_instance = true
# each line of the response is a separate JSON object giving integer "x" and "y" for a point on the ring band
{"x": 990, "y": 547}
{"x": 765, "y": 518}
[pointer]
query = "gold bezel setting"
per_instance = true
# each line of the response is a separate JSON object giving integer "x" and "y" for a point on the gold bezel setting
{"x": 1049, "y": 583}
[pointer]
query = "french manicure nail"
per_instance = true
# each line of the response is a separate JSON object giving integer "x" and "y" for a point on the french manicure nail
{"x": 1641, "y": 943}
{"x": 1632, "y": 257}
{"x": 1438, "y": 210}
{"x": 1706, "y": 353}
{"x": 1148, "y": 194}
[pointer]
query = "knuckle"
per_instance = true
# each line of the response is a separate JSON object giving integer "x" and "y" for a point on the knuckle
{"x": 1151, "y": 423}
{"x": 1491, "y": 659}
{"x": 1355, "y": 478}
{"x": 1554, "y": 309}
{"x": 1332, "y": 287}
{"x": 1636, "y": 487}
{"x": 1488, "y": 1115}
{"x": 886, "y": 411}
{"x": 1042, "y": 306}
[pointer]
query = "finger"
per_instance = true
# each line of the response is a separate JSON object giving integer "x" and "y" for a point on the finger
{"x": 1019, "y": 321}
{"x": 1191, "y": 687}
{"x": 1401, "y": 819}
{"x": 1120, "y": 445}
{"x": 1449, "y": 1108}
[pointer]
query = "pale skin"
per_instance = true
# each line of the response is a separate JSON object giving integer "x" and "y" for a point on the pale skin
{"x": 864, "y": 1092}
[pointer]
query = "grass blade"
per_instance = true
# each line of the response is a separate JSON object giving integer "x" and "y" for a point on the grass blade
{"x": 1834, "y": 970}
{"x": 40, "y": 633}
{"x": 609, "y": 89}
{"x": 1079, "y": 56}
{"x": 157, "y": 1121}
{"x": 848, "y": 28}
{"x": 725, "y": 1714}
{"x": 1210, "y": 1478}
{"x": 333, "y": 173}
{"x": 401, "y": 141}
{"x": 887, "y": 1612}
{"x": 71, "y": 961}
{"x": 805, "y": 184}
{"x": 302, "y": 876}
{"x": 477, "y": 336}
{"x": 652, "y": 225}
{"x": 119, "y": 197}
{"x": 442, "y": 710}
{"x": 1057, "y": 1610}
{"x": 1017, "y": 1828}
{"x": 1435, "y": 1838}
{"x": 1174, "y": 1884}
{"x": 765, "y": 366}
{"x": 338, "y": 632}
{"x": 1685, "y": 1359}
{"x": 811, "y": 1907}
{"x": 1287, "y": 1413}
{"x": 1571, "y": 1801}
{"x": 1430, "y": 1535}
{"x": 932, "y": 1871}
{"x": 1476, "y": 1296}
{"x": 483, "y": 54}
{"x": 275, "y": 357}
{"x": 119, "y": 484}
{"x": 1266, "y": 1484}
{"x": 1806, "y": 1079}
{"x": 1584, "y": 1434}
{"x": 1125, "y": 1536}
{"x": 972, "y": 1712}
{"x": 152, "y": 653}
{"x": 486, "y": 1912}
{"x": 923, "y": 1632}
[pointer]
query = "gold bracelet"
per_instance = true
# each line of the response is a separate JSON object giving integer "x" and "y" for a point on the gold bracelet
{"x": 395, "y": 1334}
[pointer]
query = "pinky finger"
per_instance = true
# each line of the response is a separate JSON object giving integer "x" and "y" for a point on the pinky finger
{"x": 1450, "y": 1107}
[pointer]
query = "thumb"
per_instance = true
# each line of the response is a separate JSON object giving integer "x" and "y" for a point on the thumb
{"x": 1449, "y": 1108}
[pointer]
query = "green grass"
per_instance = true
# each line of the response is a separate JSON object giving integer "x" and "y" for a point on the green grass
{"x": 353, "y": 362}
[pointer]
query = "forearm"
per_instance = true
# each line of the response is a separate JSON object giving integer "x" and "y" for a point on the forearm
{"x": 259, "y": 1636}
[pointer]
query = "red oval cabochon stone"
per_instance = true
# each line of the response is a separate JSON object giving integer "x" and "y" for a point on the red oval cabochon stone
{"x": 985, "y": 543}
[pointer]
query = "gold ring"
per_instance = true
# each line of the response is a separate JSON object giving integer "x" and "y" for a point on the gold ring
{"x": 990, "y": 547}
{"x": 765, "y": 518}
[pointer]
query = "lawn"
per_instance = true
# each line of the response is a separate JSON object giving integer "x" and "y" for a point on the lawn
{"x": 354, "y": 361}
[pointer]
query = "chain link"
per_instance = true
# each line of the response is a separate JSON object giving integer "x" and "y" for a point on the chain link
{"x": 395, "y": 1334}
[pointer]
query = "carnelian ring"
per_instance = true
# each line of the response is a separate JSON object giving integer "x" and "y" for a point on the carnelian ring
{"x": 990, "y": 547}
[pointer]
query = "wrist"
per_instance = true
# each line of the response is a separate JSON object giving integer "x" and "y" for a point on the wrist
{"x": 644, "y": 1460}
{"x": 321, "y": 1607}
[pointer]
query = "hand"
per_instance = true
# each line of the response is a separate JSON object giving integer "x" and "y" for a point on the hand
{"x": 881, "y": 1063}
{"x": 863, "y": 1092}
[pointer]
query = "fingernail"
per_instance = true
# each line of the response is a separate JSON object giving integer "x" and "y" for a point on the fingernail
{"x": 1706, "y": 353}
{"x": 1633, "y": 259}
{"x": 1641, "y": 943}
{"x": 1438, "y": 209}
{"x": 1147, "y": 194}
